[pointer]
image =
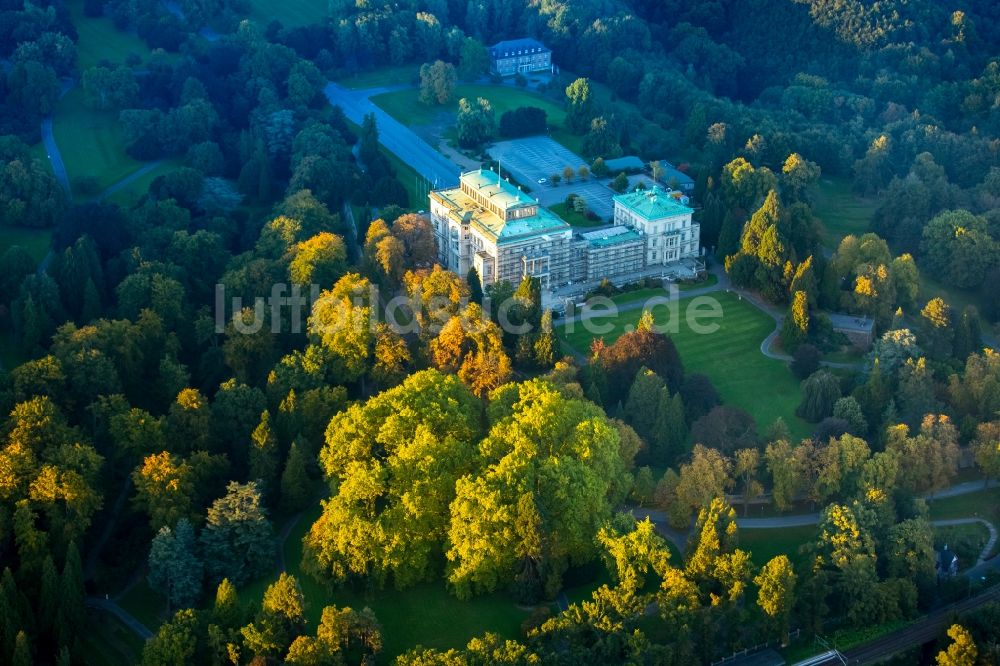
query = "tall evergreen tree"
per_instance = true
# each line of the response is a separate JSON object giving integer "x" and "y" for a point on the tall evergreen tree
{"x": 641, "y": 405}
{"x": 71, "y": 616}
{"x": 48, "y": 600}
{"x": 174, "y": 567}
{"x": 296, "y": 486}
{"x": 238, "y": 540}
{"x": 264, "y": 454}
{"x": 475, "y": 286}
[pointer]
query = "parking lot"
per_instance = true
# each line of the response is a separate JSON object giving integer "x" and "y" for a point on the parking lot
{"x": 539, "y": 157}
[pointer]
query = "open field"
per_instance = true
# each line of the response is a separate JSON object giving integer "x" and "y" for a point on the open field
{"x": 730, "y": 356}
{"x": 99, "y": 39}
{"x": 767, "y": 544}
{"x": 91, "y": 142}
{"x": 405, "y": 106}
{"x": 291, "y": 13}
{"x": 841, "y": 211}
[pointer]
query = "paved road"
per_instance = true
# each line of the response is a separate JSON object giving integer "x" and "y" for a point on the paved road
{"x": 129, "y": 620}
{"x": 55, "y": 157}
{"x": 396, "y": 137}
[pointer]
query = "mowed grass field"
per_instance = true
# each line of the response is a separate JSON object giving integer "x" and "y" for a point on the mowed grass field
{"x": 841, "y": 211}
{"x": 730, "y": 357}
{"x": 99, "y": 39}
{"x": 291, "y": 13}
{"x": 406, "y": 107}
{"x": 91, "y": 141}
{"x": 765, "y": 545}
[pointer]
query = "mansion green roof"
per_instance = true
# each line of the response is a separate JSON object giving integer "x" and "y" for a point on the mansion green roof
{"x": 504, "y": 196}
{"x": 652, "y": 204}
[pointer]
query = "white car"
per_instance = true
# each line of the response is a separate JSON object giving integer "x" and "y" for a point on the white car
{"x": 542, "y": 181}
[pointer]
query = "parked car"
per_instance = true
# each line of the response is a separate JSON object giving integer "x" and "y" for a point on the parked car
{"x": 542, "y": 181}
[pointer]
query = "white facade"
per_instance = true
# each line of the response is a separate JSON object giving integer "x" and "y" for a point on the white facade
{"x": 663, "y": 221}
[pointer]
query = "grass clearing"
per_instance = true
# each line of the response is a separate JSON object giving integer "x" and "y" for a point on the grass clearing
{"x": 841, "y": 211}
{"x": 145, "y": 604}
{"x": 405, "y": 106}
{"x": 107, "y": 642}
{"x": 730, "y": 357}
{"x": 99, "y": 39}
{"x": 35, "y": 241}
{"x": 91, "y": 142}
{"x": 131, "y": 193}
{"x": 426, "y": 614}
{"x": 382, "y": 77}
{"x": 983, "y": 504}
{"x": 958, "y": 299}
{"x": 769, "y": 543}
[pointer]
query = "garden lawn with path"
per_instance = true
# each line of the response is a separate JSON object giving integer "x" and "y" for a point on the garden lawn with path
{"x": 406, "y": 107}
{"x": 730, "y": 356}
{"x": 91, "y": 142}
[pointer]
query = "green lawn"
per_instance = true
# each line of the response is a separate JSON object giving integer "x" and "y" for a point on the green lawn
{"x": 135, "y": 190}
{"x": 840, "y": 210}
{"x": 405, "y": 106}
{"x": 145, "y": 604}
{"x": 730, "y": 356}
{"x": 91, "y": 142}
{"x": 107, "y": 642}
{"x": 291, "y": 13}
{"x": 99, "y": 39}
{"x": 426, "y": 614}
{"x": 35, "y": 241}
{"x": 982, "y": 504}
{"x": 574, "y": 218}
{"x": 957, "y": 298}
{"x": 767, "y": 544}
{"x": 382, "y": 77}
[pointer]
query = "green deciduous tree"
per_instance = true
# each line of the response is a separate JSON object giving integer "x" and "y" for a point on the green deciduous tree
{"x": 776, "y": 592}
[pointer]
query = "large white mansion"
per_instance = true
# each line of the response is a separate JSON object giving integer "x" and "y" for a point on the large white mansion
{"x": 489, "y": 224}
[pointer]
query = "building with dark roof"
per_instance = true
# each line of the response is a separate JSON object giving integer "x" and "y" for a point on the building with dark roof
{"x": 520, "y": 56}
{"x": 859, "y": 329}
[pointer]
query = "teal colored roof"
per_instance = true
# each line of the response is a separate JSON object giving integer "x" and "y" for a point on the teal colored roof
{"x": 504, "y": 196}
{"x": 652, "y": 204}
{"x": 540, "y": 223}
{"x": 627, "y": 162}
{"x": 496, "y": 189}
{"x": 612, "y": 236}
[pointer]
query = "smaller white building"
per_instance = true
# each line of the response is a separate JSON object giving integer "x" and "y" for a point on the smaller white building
{"x": 663, "y": 221}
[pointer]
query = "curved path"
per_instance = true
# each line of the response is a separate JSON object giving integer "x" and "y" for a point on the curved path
{"x": 679, "y": 538}
{"x": 129, "y": 620}
{"x": 129, "y": 179}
